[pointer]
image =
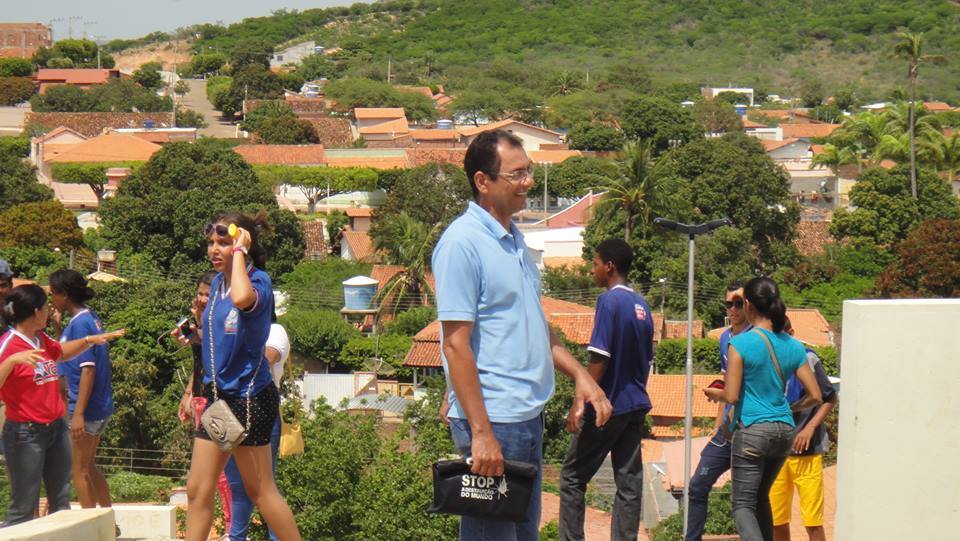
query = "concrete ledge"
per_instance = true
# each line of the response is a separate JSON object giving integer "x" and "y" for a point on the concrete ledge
{"x": 150, "y": 522}
{"x": 73, "y": 525}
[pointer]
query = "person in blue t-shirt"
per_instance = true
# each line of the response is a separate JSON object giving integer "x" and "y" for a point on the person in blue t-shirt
{"x": 715, "y": 457}
{"x": 234, "y": 328}
{"x": 621, "y": 348}
{"x": 89, "y": 385}
{"x": 758, "y": 365}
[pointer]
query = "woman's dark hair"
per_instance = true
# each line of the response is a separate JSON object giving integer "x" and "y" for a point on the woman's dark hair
{"x": 618, "y": 252}
{"x": 482, "y": 155}
{"x": 206, "y": 278}
{"x": 21, "y": 303}
{"x": 255, "y": 225}
{"x": 72, "y": 284}
{"x": 764, "y": 295}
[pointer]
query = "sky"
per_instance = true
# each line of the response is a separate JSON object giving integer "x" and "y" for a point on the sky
{"x": 110, "y": 19}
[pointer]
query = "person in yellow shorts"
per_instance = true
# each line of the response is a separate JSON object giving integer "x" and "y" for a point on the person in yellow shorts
{"x": 804, "y": 467}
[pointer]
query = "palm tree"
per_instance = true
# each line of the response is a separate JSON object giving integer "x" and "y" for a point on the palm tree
{"x": 862, "y": 132}
{"x": 833, "y": 157}
{"x": 899, "y": 148}
{"x": 946, "y": 152}
{"x": 406, "y": 242}
{"x": 636, "y": 190}
{"x": 910, "y": 47}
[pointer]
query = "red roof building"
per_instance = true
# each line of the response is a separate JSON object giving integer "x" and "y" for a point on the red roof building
{"x": 83, "y": 78}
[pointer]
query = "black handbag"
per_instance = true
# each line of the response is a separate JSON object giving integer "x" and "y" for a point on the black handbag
{"x": 457, "y": 491}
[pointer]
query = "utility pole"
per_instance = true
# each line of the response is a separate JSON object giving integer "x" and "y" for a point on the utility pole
{"x": 50, "y": 26}
{"x": 546, "y": 173}
{"x": 70, "y": 24}
{"x": 389, "y": 67}
{"x": 85, "y": 25}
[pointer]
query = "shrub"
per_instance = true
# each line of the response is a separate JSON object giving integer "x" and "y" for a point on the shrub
{"x": 412, "y": 321}
{"x": 15, "y": 67}
{"x": 318, "y": 334}
{"x": 18, "y": 146}
{"x": 14, "y": 90}
{"x": 134, "y": 487}
{"x": 719, "y": 520}
{"x": 671, "y": 356}
{"x": 392, "y": 348}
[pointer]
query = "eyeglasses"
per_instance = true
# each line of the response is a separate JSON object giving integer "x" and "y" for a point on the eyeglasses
{"x": 220, "y": 229}
{"x": 738, "y": 304}
{"x": 517, "y": 176}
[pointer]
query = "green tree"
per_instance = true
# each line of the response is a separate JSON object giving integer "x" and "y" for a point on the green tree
{"x": 410, "y": 322}
{"x": 318, "y": 334}
{"x": 432, "y": 193}
{"x": 409, "y": 243}
{"x": 148, "y": 76}
{"x": 287, "y": 131}
{"x": 188, "y": 118}
{"x": 61, "y": 98}
{"x": 383, "y": 351}
{"x": 717, "y": 116}
{"x": 833, "y": 158}
{"x": 14, "y": 90}
{"x": 662, "y": 122}
{"x": 15, "y": 67}
{"x": 811, "y": 92}
{"x": 945, "y": 153}
{"x": 251, "y": 82}
{"x": 595, "y": 137}
{"x": 574, "y": 177}
{"x": 181, "y": 88}
{"x": 638, "y": 192}
{"x": 317, "y": 66}
{"x": 927, "y": 263}
{"x": 326, "y": 276}
{"x": 60, "y": 62}
{"x": 884, "y": 210}
{"x": 160, "y": 210}
{"x": 91, "y": 174}
{"x": 478, "y": 104}
{"x": 317, "y": 182}
{"x": 731, "y": 98}
{"x": 910, "y": 48}
{"x": 218, "y": 91}
{"x": 206, "y": 63}
{"x": 252, "y": 52}
{"x": 44, "y": 223}
{"x": 18, "y": 182}
{"x": 16, "y": 146}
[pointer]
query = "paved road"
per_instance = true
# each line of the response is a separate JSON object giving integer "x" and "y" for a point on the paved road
{"x": 196, "y": 99}
{"x": 11, "y": 119}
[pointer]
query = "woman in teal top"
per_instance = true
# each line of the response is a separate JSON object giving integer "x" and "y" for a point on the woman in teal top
{"x": 763, "y": 423}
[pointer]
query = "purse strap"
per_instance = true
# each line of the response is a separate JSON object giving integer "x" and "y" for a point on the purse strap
{"x": 213, "y": 364}
{"x": 773, "y": 357}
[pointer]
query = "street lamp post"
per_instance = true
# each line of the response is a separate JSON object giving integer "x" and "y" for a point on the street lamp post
{"x": 691, "y": 231}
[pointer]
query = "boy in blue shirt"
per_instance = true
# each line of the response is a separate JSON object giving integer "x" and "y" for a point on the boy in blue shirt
{"x": 621, "y": 349}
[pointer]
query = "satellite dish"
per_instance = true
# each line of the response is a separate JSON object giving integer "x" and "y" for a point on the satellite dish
{"x": 379, "y": 366}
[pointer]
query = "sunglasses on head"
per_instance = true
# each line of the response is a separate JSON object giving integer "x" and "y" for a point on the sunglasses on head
{"x": 220, "y": 229}
{"x": 738, "y": 304}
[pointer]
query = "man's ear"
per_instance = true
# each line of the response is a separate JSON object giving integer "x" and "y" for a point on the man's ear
{"x": 482, "y": 181}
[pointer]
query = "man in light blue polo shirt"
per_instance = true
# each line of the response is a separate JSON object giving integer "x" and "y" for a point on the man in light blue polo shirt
{"x": 498, "y": 352}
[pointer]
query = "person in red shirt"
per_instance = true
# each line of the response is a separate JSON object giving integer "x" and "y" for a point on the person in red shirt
{"x": 36, "y": 439}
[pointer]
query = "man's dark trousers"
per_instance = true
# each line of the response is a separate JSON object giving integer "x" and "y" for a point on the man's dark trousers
{"x": 620, "y": 437}
{"x": 714, "y": 461}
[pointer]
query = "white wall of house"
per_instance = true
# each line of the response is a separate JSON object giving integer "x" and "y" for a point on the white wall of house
{"x": 532, "y": 138}
{"x": 899, "y": 435}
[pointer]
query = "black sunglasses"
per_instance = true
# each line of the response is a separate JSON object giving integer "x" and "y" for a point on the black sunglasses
{"x": 738, "y": 304}
{"x": 220, "y": 229}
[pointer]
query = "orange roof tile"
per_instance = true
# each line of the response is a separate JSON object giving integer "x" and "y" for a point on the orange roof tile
{"x": 812, "y": 235}
{"x": 810, "y": 327}
{"x": 552, "y": 156}
{"x": 384, "y": 273}
{"x": 76, "y": 76}
{"x": 423, "y": 355}
{"x": 425, "y": 90}
{"x": 423, "y": 156}
{"x": 110, "y": 147}
{"x": 770, "y": 146}
{"x": 361, "y": 246}
{"x": 747, "y": 123}
{"x": 56, "y": 132}
{"x": 668, "y": 395}
{"x": 468, "y": 132}
{"x": 359, "y": 212}
{"x": 281, "y": 154}
{"x": 386, "y": 162}
{"x": 434, "y": 135}
{"x": 808, "y": 130}
{"x": 937, "y": 106}
{"x": 397, "y": 126}
{"x": 678, "y": 329}
{"x": 556, "y": 262}
{"x": 370, "y": 113}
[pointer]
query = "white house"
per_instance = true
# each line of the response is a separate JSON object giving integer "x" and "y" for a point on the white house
{"x": 711, "y": 92}
{"x": 295, "y": 54}
{"x": 534, "y": 138}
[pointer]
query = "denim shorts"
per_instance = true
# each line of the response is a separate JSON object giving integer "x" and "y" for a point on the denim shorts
{"x": 96, "y": 428}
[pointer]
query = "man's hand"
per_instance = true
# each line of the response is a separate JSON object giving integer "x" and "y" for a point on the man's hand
{"x": 587, "y": 391}
{"x": 100, "y": 339}
{"x": 76, "y": 426}
{"x": 445, "y": 409}
{"x": 802, "y": 441}
{"x": 486, "y": 454}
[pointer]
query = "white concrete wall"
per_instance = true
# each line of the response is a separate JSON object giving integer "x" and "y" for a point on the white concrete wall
{"x": 899, "y": 434}
{"x": 74, "y": 525}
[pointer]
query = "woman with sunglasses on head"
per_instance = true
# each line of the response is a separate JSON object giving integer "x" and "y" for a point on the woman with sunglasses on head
{"x": 236, "y": 323}
{"x": 759, "y": 362}
{"x": 36, "y": 439}
{"x": 89, "y": 385}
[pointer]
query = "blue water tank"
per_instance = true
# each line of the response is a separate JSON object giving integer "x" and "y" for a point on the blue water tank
{"x": 149, "y": 124}
{"x": 444, "y": 124}
{"x": 740, "y": 108}
{"x": 358, "y": 293}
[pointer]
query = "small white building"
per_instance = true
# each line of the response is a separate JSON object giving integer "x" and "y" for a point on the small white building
{"x": 534, "y": 138}
{"x": 294, "y": 54}
{"x": 711, "y": 92}
{"x": 558, "y": 244}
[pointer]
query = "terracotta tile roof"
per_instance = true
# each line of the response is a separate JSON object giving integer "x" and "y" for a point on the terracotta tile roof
{"x": 808, "y": 130}
{"x": 110, "y": 147}
{"x": 666, "y": 432}
{"x": 425, "y": 90}
{"x": 668, "y": 395}
{"x": 370, "y": 113}
{"x": 332, "y": 132}
{"x": 434, "y": 135}
{"x": 468, "y": 132}
{"x": 397, "y": 126}
{"x": 817, "y": 149}
{"x": 552, "y": 156}
{"x": 55, "y": 149}
{"x": 76, "y": 76}
{"x": 810, "y": 327}
{"x": 770, "y": 146}
{"x": 281, "y": 154}
{"x": 359, "y": 212}
{"x": 556, "y": 262}
{"x": 678, "y": 329}
{"x": 429, "y": 333}
{"x": 423, "y": 354}
{"x": 812, "y": 235}
{"x": 361, "y": 246}
{"x": 384, "y": 273}
{"x": 423, "y": 156}
{"x": 381, "y": 162}
{"x": 937, "y": 106}
{"x": 93, "y": 124}
{"x": 316, "y": 239}
{"x": 56, "y": 132}
{"x": 747, "y": 123}
{"x": 162, "y": 137}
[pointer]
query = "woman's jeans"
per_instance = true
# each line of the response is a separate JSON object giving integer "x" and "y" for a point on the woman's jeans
{"x": 522, "y": 442}
{"x": 36, "y": 452}
{"x": 759, "y": 451}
